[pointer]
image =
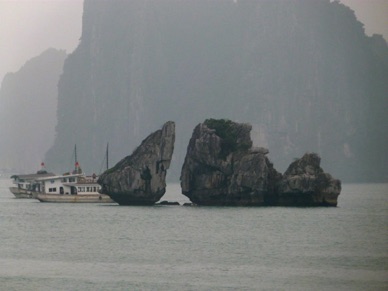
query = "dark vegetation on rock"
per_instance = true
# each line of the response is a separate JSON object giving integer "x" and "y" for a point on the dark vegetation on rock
{"x": 222, "y": 168}
{"x": 229, "y": 134}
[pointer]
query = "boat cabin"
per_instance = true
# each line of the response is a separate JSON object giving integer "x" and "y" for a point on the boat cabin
{"x": 70, "y": 184}
{"x": 28, "y": 181}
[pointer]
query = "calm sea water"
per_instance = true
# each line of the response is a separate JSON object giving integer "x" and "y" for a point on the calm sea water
{"x": 110, "y": 247}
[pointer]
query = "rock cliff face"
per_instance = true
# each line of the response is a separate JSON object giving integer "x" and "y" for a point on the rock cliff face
{"x": 140, "y": 179}
{"x": 305, "y": 184}
{"x": 222, "y": 168}
{"x": 28, "y": 106}
{"x": 293, "y": 69}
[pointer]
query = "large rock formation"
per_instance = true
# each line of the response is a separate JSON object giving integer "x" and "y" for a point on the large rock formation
{"x": 293, "y": 69}
{"x": 222, "y": 168}
{"x": 140, "y": 179}
{"x": 304, "y": 183}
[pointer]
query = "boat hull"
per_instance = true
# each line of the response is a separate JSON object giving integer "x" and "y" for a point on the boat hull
{"x": 79, "y": 198}
{"x": 22, "y": 193}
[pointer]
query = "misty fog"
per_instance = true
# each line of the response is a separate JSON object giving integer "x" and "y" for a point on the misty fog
{"x": 303, "y": 73}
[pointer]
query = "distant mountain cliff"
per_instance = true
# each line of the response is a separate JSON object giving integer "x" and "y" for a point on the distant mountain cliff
{"x": 28, "y": 105}
{"x": 303, "y": 73}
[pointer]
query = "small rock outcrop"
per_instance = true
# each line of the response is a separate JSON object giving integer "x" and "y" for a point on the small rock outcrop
{"x": 222, "y": 168}
{"x": 140, "y": 179}
{"x": 165, "y": 202}
{"x": 305, "y": 184}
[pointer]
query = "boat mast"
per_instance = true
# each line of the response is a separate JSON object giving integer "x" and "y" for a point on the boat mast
{"x": 75, "y": 156}
{"x": 107, "y": 156}
{"x": 76, "y": 164}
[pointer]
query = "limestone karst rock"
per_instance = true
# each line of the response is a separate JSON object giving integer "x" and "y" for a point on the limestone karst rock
{"x": 305, "y": 183}
{"x": 295, "y": 70}
{"x": 222, "y": 168}
{"x": 140, "y": 179}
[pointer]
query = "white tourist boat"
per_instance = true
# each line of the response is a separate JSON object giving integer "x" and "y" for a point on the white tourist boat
{"x": 71, "y": 188}
{"x": 26, "y": 186}
{"x": 74, "y": 187}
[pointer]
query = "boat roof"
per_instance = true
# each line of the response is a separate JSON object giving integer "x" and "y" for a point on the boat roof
{"x": 55, "y": 177}
{"x": 39, "y": 174}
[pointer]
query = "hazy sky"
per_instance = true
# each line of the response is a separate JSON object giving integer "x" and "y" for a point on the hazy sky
{"x": 28, "y": 27}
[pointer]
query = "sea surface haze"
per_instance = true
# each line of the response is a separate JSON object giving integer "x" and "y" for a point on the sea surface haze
{"x": 48, "y": 246}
